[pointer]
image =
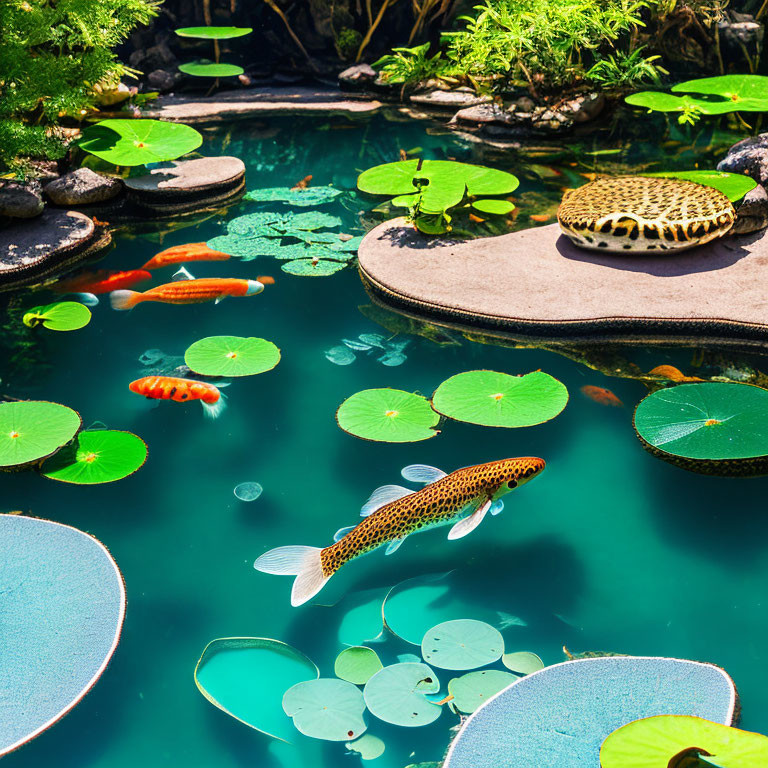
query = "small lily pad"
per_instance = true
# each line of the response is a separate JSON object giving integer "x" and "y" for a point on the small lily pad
{"x": 207, "y": 68}
{"x": 312, "y": 267}
{"x": 499, "y": 400}
{"x": 32, "y": 430}
{"x": 357, "y": 664}
{"x": 733, "y": 185}
{"x": 396, "y": 694}
{"x": 496, "y": 207}
{"x": 213, "y": 33}
{"x": 728, "y": 93}
{"x": 462, "y": 644}
{"x": 301, "y": 198}
{"x": 326, "y": 709}
{"x": 388, "y": 415}
{"x": 97, "y": 456}
{"x": 231, "y": 356}
{"x": 472, "y": 690}
{"x": 522, "y": 662}
{"x": 59, "y": 316}
{"x": 248, "y": 491}
{"x": 368, "y": 746}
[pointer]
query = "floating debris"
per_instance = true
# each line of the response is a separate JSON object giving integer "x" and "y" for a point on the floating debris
{"x": 248, "y": 491}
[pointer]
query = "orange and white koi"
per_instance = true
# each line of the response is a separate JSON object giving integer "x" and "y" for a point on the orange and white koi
{"x": 188, "y": 292}
{"x": 460, "y": 499}
{"x": 672, "y": 373}
{"x": 601, "y": 395}
{"x": 102, "y": 281}
{"x": 182, "y": 254}
{"x": 180, "y": 391}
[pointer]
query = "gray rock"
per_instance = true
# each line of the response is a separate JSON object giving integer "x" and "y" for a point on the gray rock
{"x": 525, "y": 104}
{"x": 750, "y": 157}
{"x": 484, "y": 114}
{"x": 155, "y": 57}
{"x": 162, "y": 80}
{"x": 584, "y": 108}
{"x": 82, "y": 187}
{"x": 744, "y": 30}
{"x": 752, "y": 212}
{"x": 20, "y": 201}
{"x": 449, "y": 99}
{"x": 357, "y": 76}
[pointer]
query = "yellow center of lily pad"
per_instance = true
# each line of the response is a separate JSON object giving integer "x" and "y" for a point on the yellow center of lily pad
{"x": 498, "y": 396}
{"x": 392, "y": 414}
{"x": 232, "y": 355}
{"x": 91, "y": 457}
{"x": 13, "y": 435}
{"x": 712, "y": 422}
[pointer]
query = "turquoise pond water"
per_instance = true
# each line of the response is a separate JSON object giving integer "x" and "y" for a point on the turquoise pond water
{"x": 610, "y": 549}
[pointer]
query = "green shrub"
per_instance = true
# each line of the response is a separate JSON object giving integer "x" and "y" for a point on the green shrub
{"x": 51, "y": 57}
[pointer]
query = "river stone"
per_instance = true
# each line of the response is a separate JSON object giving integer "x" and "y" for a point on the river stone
{"x": 82, "y": 187}
{"x": 750, "y": 157}
{"x": 20, "y": 201}
{"x": 63, "y": 608}
{"x": 752, "y": 212}
{"x": 357, "y": 76}
{"x": 558, "y": 717}
{"x": 449, "y": 99}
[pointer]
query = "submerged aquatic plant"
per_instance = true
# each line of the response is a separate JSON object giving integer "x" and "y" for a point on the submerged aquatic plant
{"x": 301, "y": 197}
{"x": 388, "y": 352}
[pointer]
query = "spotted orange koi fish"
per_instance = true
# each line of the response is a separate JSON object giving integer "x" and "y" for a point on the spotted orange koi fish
{"x": 460, "y": 499}
{"x": 188, "y": 292}
{"x": 601, "y": 395}
{"x": 180, "y": 390}
{"x": 182, "y": 254}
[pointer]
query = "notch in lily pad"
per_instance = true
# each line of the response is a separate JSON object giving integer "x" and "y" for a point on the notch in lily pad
{"x": 357, "y": 664}
{"x": 59, "y": 316}
{"x": 326, "y": 708}
{"x": 97, "y": 456}
{"x": 388, "y": 415}
{"x": 398, "y": 695}
{"x": 462, "y": 644}
{"x": 231, "y": 356}
{"x": 495, "y": 399}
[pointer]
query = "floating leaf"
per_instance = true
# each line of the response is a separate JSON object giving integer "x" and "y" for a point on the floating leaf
{"x": 729, "y": 93}
{"x": 472, "y": 690}
{"x": 462, "y": 644}
{"x": 388, "y": 415}
{"x": 248, "y": 491}
{"x": 368, "y": 746}
{"x": 653, "y": 742}
{"x": 396, "y": 694}
{"x": 500, "y": 400}
{"x": 357, "y": 664}
{"x": 59, "y": 316}
{"x": 32, "y": 430}
{"x": 733, "y": 185}
{"x": 213, "y": 33}
{"x": 137, "y": 142}
{"x": 97, "y": 456}
{"x": 300, "y": 198}
{"x": 497, "y": 207}
{"x": 312, "y": 267}
{"x": 207, "y": 68}
{"x": 246, "y": 677}
{"x": 231, "y": 356}
{"x": 326, "y": 709}
{"x": 522, "y": 662}
{"x": 340, "y": 355}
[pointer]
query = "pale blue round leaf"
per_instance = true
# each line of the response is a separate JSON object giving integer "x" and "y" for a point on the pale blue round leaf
{"x": 462, "y": 644}
{"x": 475, "y": 688}
{"x": 397, "y": 695}
{"x": 326, "y": 709}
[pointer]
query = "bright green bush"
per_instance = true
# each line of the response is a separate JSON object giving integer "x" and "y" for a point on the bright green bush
{"x": 51, "y": 56}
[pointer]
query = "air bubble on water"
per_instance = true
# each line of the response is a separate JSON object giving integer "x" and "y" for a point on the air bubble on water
{"x": 248, "y": 491}
{"x": 151, "y": 356}
{"x": 340, "y": 355}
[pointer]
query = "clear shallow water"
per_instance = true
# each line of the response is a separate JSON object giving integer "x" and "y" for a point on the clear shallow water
{"x": 610, "y": 549}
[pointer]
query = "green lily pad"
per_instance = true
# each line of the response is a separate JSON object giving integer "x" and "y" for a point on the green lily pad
{"x": 733, "y": 185}
{"x": 472, "y": 690}
{"x": 59, "y": 316}
{"x": 213, "y": 33}
{"x": 397, "y": 695}
{"x": 368, "y": 746}
{"x": 246, "y": 677}
{"x": 496, "y": 207}
{"x": 326, "y": 709}
{"x": 713, "y": 427}
{"x": 522, "y": 662}
{"x": 300, "y": 198}
{"x": 388, "y": 415}
{"x": 97, "y": 456}
{"x": 32, "y": 430}
{"x": 312, "y": 267}
{"x": 737, "y": 93}
{"x": 357, "y": 664}
{"x": 231, "y": 356}
{"x": 654, "y": 742}
{"x": 659, "y": 101}
{"x": 500, "y": 400}
{"x": 137, "y": 142}
{"x": 462, "y": 644}
{"x": 207, "y": 68}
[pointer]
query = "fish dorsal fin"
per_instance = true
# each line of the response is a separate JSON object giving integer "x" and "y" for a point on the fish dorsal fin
{"x": 497, "y": 507}
{"x": 182, "y": 274}
{"x": 383, "y": 495}
{"x": 468, "y": 524}
{"x": 422, "y": 473}
{"x": 342, "y": 532}
{"x": 394, "y": 545}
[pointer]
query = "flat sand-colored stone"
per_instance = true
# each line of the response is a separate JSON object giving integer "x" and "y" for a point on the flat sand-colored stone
{"x": 537, "y": 284}
{"x": 189, "y": 175}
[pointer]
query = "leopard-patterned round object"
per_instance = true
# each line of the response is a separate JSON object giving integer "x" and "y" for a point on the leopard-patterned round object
{"x": 623, "y": 214}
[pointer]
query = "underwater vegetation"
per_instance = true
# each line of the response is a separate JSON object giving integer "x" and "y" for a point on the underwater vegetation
{"x": 248, "y": 491}
{"x": 388, "y": 352}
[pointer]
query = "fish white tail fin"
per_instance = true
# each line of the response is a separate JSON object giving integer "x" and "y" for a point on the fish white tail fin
{"x": 124, "y": 299}
{"x": 214, "y": 410}
{"x": 302, "y": 562}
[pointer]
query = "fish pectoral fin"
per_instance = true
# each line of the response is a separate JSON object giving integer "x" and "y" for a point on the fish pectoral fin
{"x": 422, "y": 473}
{"x": 394, "y": 545}
{"x": 382, "y": 496}
{"x": 220, "y": 299}
{"x": 342, "y": 532}
{"x": 497, "y": 507}
{"x": 182, "y": 274}
{"x": 468, "y": 524}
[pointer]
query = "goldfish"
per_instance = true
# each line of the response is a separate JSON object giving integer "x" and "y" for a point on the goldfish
{"x": 181, "y": 254}
{"x": 460, "y": 499}
{"x": 188, "y": 292}
{"x": 672, "y": 373}
{"x": 540, "y": 217}
{"x": 181, "y": 391}
{"x": 303, "y": 184}
{"x": 102, "y": 281}
{"x": 601, "y": 395}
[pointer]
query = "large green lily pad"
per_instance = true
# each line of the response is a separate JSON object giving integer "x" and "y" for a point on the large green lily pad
{"x": 207, "y": 68}
{"x": 733, "y": 185}
{"x": 231, "y": 356}
{"x": 326, "y": 709}
{"x": 97, "y": 456}
{"x": 213, "y": 33}
{"x": 712, "y": 427}
{"x": 59, "y": 316}
{"x": 653, "y": 742}
{"x": 137, "y": 142}
{"x": 500, "y": 400}
{"x": 462, "y": 644}
{"x": 730, "y": 93}
{"x": 397, "y": 695}
{"x": 357, "y": 664}
{"x": 388, "y": 415}
{"x": 472, "y": 690}
{"x": 246, "y": 677}
{"x": 32, "y": 430}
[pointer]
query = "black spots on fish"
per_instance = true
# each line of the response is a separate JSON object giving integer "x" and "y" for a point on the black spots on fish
{"x": 172, "y": 392}
{"x": 185, "y": 395}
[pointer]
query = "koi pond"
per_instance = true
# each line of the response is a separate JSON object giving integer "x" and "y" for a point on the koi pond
{"x": 609, "y": 549}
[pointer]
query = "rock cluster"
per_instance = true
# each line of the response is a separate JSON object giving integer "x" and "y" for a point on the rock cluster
{"x": 750, "y": 157}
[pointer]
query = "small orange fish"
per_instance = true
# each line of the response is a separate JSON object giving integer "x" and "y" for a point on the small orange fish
{"x": 672, "y": 373}
{"x": 303, "y": 184}
{"x": 102, "y": 281}
{"x": 539, "y": 217}
{"x": 181, "y": 391}
{"x": 181, "y": 254}
{"x": 601, "y": 395}
{"x": 403, "y": 154}
{"x": 476, "y": 219}
{"x": 265, "y": 279}
{"x": 188, "y": 292}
